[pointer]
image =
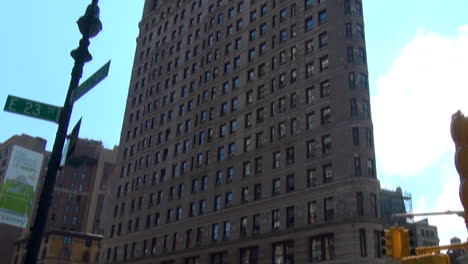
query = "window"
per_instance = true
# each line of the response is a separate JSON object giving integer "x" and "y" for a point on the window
{"x": 366, "y": 109}
{"x": 310, "y": 98}
{"x": 230, "y": 174}
{"x": 251, "y": 54}
{"x": 312, "y": 212}
{"x": 234, "y": 104}
{"x": 326, "y": 144}
{"x": 237, "y": 62}
{"x": 308, "y": 4}
{"x": 228, "y": 200}
{"x": 311, "y": 177}
{"x": 360, "y": 204}
{"x": 309, "y": 46}
{"x": 221, "y": 155}
{"x": 215, "y": 232}
{"x": 276, "y": 160}
{"x": 263, "y": 9}
{"x": 252, "y": 35}
{"x": 309, "y": 24}
{"x": 324, "y": 89}
{"x": 347, "y": 4}
{"x": 323, "y": 39}
{"x": 350, "y": 54}
{"x": 322, "y": 248}
{"x": 360, "y": 31}
{"x": 351, "y": 80}
{"x": 326, "y": 115}
{"x": 246, "y": 168}
{"x": 377, "y": 244}
{"x": 262, "y": 47}
{"x": 244, "y": 194}
{"x": 253, "y": 16}
{"x": 323, "y": 63}
{"x": 226, "y": 230}
{"x": 249, "y": 255}
{"x": 283, "y": 35}
{"x": 289, "y": 154}
{"x": 257, "y": 192}
{"x": 363, "y": 242}
{"x": 327, "y": 173}
{"x": 201, "y": 207}
{"x": 217, "y": 203}
{"x": 328, "y": 206}
{"x": 204, "y": 184}
{"x": 290, "y": 217}
{"x": 349, "y": 31}
{"x": 275, "y": 220}
{"x": 309, "y": 69}
{"x": 263, "y": 29}
{"x": 293, "y": 76}
{"x": 362, "y": 55}
{"x": 283, "y": 252}
{"x": 354, "y": 110}
{"x": 283, "y": 15}
{"x": 323, "y": 17}
{"x": 369, "y": 137}
{"x": 276, "y": 187}
{"x": 371, "y": 168}
{"x": 363, "y": 81}
{"x": 355, "y": 136}
{"x": 290, "y": 183}
{"x": 357, "y": 166}
{"x": 358, "y": 8}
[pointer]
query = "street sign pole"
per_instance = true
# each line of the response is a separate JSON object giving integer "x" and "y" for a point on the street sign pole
{"x": 89, "y": 26}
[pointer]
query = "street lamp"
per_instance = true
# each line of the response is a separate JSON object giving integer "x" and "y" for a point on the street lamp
{"x": 89, "y": 26}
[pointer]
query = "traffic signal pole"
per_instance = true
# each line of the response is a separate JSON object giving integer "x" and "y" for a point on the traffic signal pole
{"x": 89, "y": 26}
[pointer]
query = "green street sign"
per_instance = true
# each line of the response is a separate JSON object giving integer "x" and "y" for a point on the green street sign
{"x": 32, "y": 108}
{"x": 90, "y": 82}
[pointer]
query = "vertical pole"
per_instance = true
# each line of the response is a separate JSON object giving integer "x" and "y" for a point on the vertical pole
{"x": 81, "y": 56}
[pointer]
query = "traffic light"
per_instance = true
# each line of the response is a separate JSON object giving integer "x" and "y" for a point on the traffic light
{"x": 392, "y": 240}
{"x": 407, "y": 242}
{"x": 387, "y": 243}
{"x": 459, "y": 131}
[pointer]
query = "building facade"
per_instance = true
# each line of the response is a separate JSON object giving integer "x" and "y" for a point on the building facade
{"x": 394, "y": 202}
{"x": 81, "y": 188}
{"x": 425, "y": 234}
{"x": 80, "y": 248}
{"x": 11, "y": 233}
{"x": 247, "y": 137}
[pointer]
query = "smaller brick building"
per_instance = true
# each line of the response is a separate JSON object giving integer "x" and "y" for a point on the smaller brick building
{"x": 73, "y": 225}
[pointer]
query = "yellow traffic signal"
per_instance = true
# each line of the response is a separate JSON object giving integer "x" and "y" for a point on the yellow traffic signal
{"x": 407, "y": 242}
{"x": 393, "y": 242}
{"x": 388, "y": 239}
{"x": 397, "y": 242}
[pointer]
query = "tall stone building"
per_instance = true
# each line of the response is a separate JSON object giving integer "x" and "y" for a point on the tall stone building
{"x": 247, "y": 137}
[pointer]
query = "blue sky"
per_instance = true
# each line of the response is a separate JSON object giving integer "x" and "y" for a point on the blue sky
{"x": 418, "y": 56}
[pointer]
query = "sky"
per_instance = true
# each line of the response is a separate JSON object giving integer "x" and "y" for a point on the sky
{"x": 417, "y": 58}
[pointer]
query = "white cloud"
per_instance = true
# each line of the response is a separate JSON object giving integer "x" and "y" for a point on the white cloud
{"x": 448, "y": 225}
{"x": 415, "y": 99}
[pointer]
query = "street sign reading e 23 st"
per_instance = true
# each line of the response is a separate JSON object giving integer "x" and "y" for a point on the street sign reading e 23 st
{"x": 87, "y": 85}
{"x": 32, "y": 108}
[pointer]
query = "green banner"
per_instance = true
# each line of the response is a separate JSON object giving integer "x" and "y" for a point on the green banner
{"x": 19, "y": 186}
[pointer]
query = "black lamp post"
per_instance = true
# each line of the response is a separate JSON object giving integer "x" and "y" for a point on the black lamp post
{"x": 89, "y": 26}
